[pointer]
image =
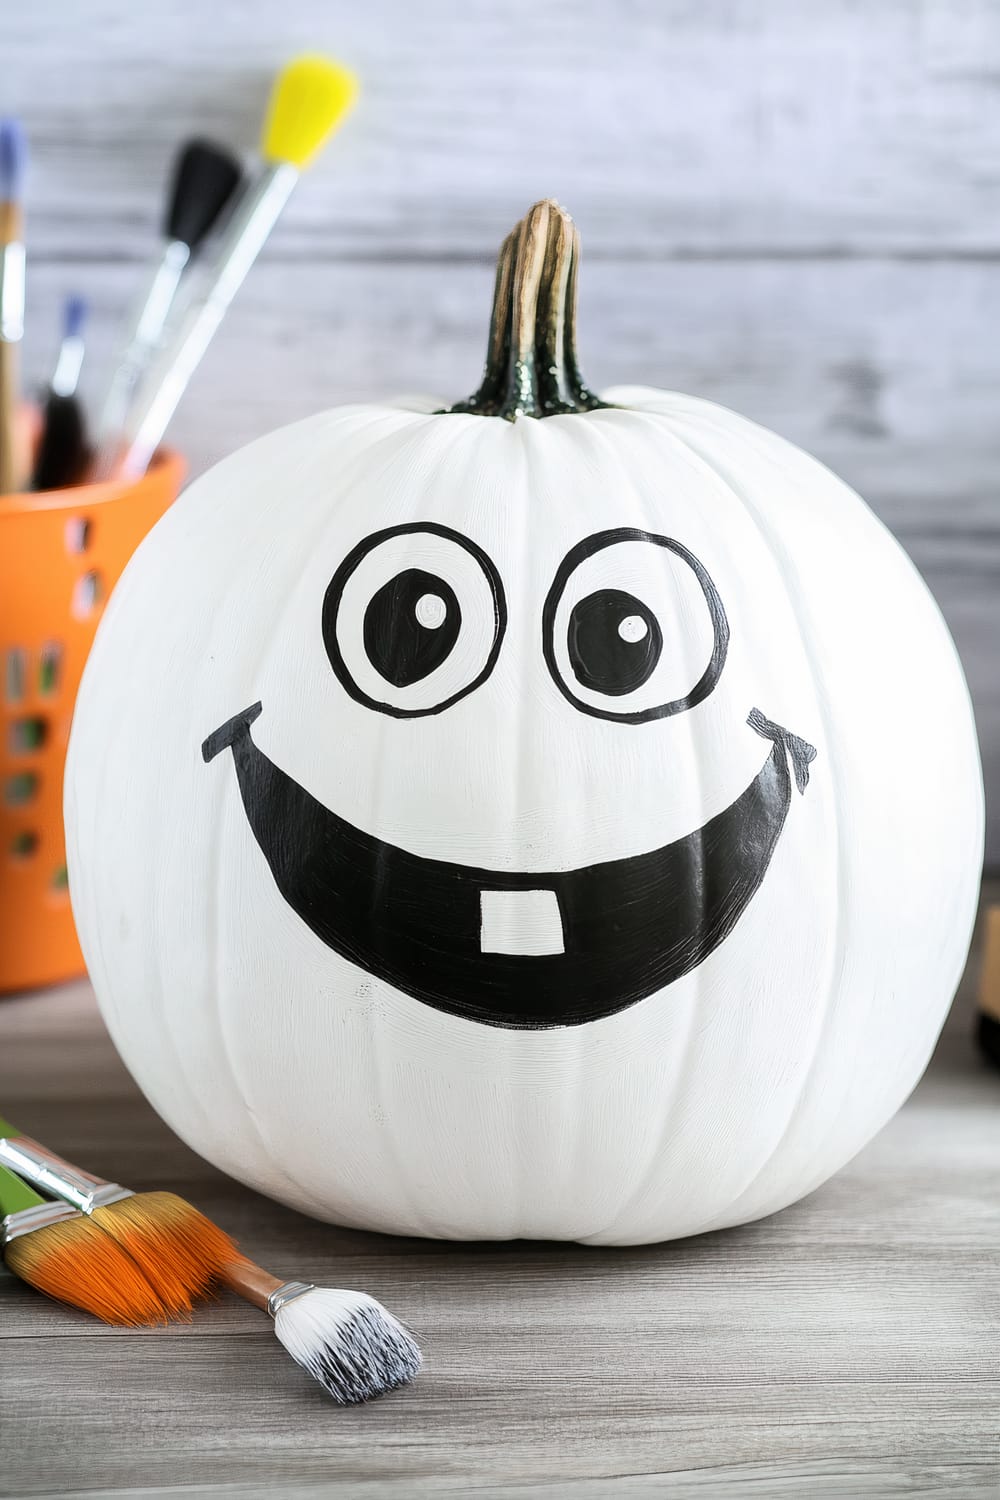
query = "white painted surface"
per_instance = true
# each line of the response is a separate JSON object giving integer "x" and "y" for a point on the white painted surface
{"x": 719, "y": 1098}
{"x": 521, "y": 922}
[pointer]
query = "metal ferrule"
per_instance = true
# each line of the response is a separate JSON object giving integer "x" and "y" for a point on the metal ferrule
{"x": 287, "y": 1292}
{"x": 43, "y": 1170}
{"x": 12, "y": 292}
{"x": 27, "y": 1220}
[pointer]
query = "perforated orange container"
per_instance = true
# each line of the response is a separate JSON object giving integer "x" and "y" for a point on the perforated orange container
{"x": 60, "y": 555}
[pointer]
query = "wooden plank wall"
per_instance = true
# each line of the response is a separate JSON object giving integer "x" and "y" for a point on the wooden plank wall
{"x": 793, "y": 209}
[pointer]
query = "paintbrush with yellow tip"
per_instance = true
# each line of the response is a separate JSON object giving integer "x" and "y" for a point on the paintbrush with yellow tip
{"x": 309, "y": 100}
{"x": 59, "y": 1251}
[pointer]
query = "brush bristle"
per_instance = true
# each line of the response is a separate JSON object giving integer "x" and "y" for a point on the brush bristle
{"x": 13, "y": 160}
{"x": 75, "y": 1262}
{"x": 348, "y": 1342}
{"x": 62, "y": 452}
{"x": 205, "y": 178}
{"x": 309, "y": 99}
{"x": 74, "y": 316}
{"x": 177, "y": 1249}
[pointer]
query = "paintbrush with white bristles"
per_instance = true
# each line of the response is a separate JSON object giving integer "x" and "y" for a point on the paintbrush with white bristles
{"x": 345, "y": 1340}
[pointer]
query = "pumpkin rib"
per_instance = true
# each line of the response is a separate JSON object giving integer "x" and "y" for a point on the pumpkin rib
{"x": 389, "y": 1150}
{"x": 388, "y": 443}
{"x": 836, "y": 950}
{"x": 674, "y": 1099}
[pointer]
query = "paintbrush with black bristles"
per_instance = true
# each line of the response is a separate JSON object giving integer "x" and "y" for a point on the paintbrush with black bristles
{"x": 62, "y": 447}
{"x": 345, "y": 1340}
{"x": 59, "y": 1251}
{"x": 204, "y": 181}
{"x": 309, "y": 99}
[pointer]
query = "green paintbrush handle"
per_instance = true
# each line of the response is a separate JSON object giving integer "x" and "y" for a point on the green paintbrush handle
{"x": 15, "y": 1194}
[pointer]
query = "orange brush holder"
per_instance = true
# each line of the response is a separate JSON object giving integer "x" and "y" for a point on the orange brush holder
{"x": 61, "y": 553}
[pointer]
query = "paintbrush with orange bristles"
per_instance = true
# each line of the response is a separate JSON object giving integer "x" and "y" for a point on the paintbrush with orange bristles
{"x": 178, "y": 1250}
{"x": 346, "y": 1340}
{"x": 59, "y": 1251}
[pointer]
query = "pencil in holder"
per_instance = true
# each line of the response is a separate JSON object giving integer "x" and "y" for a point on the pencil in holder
{"x": 61, "y": 553}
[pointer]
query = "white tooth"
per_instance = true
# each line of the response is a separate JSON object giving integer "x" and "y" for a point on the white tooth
{"x": 525, "y": 922}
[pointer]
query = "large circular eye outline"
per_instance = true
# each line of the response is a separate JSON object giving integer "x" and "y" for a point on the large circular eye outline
{"x": 331, "y": 608}
{"x": 720, "y": 625}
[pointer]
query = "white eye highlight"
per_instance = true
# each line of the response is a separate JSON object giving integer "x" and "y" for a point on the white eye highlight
{"x": 431, "y": 611}
{"x": 633, "y": 628}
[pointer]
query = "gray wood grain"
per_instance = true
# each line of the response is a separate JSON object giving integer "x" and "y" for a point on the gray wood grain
{"x": 791, "y": 209}
{"x": 847, "y": 1345}
{"x": 670, "y": 126}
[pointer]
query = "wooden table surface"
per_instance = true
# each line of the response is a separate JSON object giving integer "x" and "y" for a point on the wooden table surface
{"x": 848, "y": 1345}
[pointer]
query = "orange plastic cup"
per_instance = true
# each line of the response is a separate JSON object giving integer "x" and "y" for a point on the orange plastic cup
{"x": 61, "y": 553}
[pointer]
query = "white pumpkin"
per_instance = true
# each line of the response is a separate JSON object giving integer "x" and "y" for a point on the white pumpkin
{"x": 565, "y": 828}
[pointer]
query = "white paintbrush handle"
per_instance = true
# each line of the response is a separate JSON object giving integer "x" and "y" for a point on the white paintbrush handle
{"x": 171, "y": 372}
{"x": 12, "y": 291}
{"x": 11, "y": 332}
{"x": 141, "y": 344}
{"x": 66, "y": 375}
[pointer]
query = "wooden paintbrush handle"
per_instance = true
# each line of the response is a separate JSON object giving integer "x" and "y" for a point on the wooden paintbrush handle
{"x": 11, "y": 460}
{"x": 250, "y": 1281}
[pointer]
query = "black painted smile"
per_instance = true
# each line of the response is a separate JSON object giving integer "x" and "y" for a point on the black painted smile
{"x": 629, "y": 927}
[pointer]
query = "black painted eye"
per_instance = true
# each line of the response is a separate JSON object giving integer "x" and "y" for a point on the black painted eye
{"x": 413, "y": 619}
{"x": 633, "y": 620}
{"x": 613, "y": 641}
{"x": 411, "y": 625}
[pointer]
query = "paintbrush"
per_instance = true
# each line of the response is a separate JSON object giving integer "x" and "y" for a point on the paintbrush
{"x": 13, "y": 155}
{"x": 62, "y": 448}
{"x": 345, "y": 1340}
{"x": 59, "y": 1251}
{"x": 178, "y": 1250}
{"x": 310, "y": 98}
{"x": 205, "y": 178}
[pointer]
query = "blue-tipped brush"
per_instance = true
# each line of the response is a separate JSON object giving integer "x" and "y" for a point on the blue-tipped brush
{"x": 13, "y": 161}
{"x": 62, "y": 452}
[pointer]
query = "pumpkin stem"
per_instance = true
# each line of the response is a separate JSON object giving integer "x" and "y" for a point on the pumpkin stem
{"x": 531, "y": 368}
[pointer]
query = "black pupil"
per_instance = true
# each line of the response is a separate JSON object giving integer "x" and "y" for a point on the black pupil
{"x": 411, "y": 625}
{"x": 614, "y": 642}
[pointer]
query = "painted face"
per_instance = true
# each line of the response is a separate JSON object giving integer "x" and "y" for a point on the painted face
{"x": 534, "y": 948}
{"x": 503, "y": 907}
